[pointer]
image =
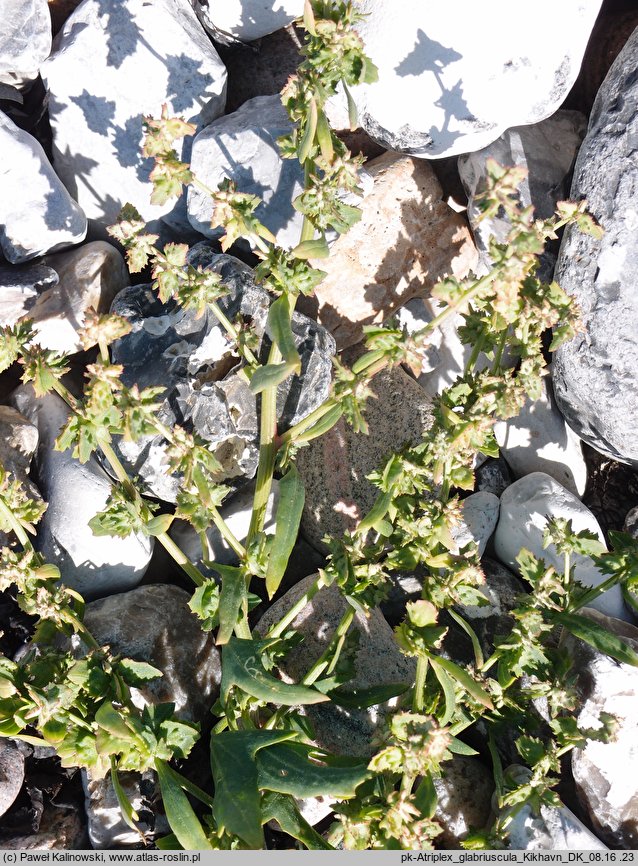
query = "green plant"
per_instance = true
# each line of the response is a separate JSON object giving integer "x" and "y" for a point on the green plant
{"x": 83, "y": 705}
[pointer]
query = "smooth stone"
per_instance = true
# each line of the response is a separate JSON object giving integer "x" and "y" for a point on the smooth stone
{"x": 595, "y": 374}
{"x": 378, "y": 660}
{"x": 237, "y": 512}
{"x": 539, "y": 440}
{"x": 25, "y": 40}
{"x": 20, "y": 286}
{"x": 440, "y": 92}
{"x": 406, "y": 240}
{"x": 246, "y": 20}
{"x": 552, "y": 829}
{"x": 493, "y": 476}
{"x": 89, "y": 278}
{"x": 334, "y": 466}
{"x": 193, "y": 359}
{"x": 75, "y": 492}
{"x": 605, "y": 783}
{"x": 113, "y": 63}
{"x": 154, "y": 624}
{"x": 546, "y": 151}
{"x": 106, "y": 826}
{"x": 243, "y": 147}
{"x": 464, "y": 793}
{"x": 501, "y": 590}
{"x": 11, "y": 773}
{"x": 526, "y": 507}
{"x": 37, "y": 214}
{"x": 479, "y": 518}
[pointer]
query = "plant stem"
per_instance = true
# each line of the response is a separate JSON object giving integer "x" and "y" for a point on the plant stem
{"x": 418, "y": 698}
{"x": 180, "y": 558}
{"x": 280, "y": 627}
{"x": 15, "y": 525}
{"x": 330, "y": 655}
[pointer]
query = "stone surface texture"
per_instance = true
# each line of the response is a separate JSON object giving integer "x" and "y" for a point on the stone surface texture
{"x": 378, "y": 660}
{"x": 546, "y": 151}
{"x": 493, "y": 476}
{"x": 89, "y": 277}
{"x": 526, "y": 507}
{"x": 114, "y": 62}
{"x": 106, "y": 826}
{"x": 154, "y": 624}
{"x": 441, "y": 92}
{"x": 247, "y": 20}
{"x": 595, "y": 374}
{"x": 480, "y": 516}
{"x": 193, "y": 359}
{"x": 25, "y": 40}
{"x": 11, "y": 773}
{"x": 464, "y": 794}
{"x": 334, "y": 466}
{"x": 75, "y": 492}
{"x": 243, "y": 147}
{"x": 603, "y": 772}
{"x": 406, "y": 240}
{"x": 20, "y": 286}
{"x": 539, "y": 440}
{"x": 37, "y": 214}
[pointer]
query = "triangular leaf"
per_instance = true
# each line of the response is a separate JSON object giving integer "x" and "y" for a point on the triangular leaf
{"x": 269, "y": 376}
{"x": 466, "y": 681}
{"x": 284, "y": 811}
{"x": 179, "y": 812}
{"x": 242, "y": 666}
{"x": 287, "y": 768}
{"x": 233, "y": 600}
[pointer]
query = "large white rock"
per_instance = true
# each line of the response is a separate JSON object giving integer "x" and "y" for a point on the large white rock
{"x": 246, "y": 19}
{"x": 604, "y": 773}
{"x": 526, "y": 507}
{"x": 454, "y": 76}
{"x": 114, "y": 62}
{"x": 37, "y": 214}
{"x": 25, "y": 40}
{"x": 539, "y": 440}
{"x": 243, "y": 147}
{"x": 94, "y": 566}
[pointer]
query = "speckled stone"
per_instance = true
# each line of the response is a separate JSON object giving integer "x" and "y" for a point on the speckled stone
{"x": 334, "y": 466}
{"x": 406, "y": 241}
{"x": 11, "y": 773}
{"x": 464, "y": 794}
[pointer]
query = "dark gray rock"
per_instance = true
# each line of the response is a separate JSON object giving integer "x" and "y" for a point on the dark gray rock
{"x": 75, "y": 492}
{"x": 37, "y": 214}
{"x": 493, "y": 476}
{"x": 547, "y": 151}
{"x": 11, "y": 773}
{"x": 154, "y": 624}
{"x": 205, "y": 390}
{"x": 25, "y": 40}
{"x": 595, "y": 374}
{"x": 61, "y": 828}
{"x": 113, "y": 63}
{"x": 603, "y": 772}
{"x": 631, "y": 522}
{"x": 243, "y": 147}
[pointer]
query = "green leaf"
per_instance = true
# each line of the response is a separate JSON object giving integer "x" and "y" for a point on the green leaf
{"x": 368, "y": 697}
{"x": 237, "y": 801}
{"x": 324, "y": 137}
{"x": 309, "y": 18}
{"x": 425, "y": 797}
{"x": 158, "y": 525}
{"x": 233, "y": 600}
{"x": 242, "y": 666}
{"x": 287, "y": 768}
{"x": 283, "y": 809}
{"x": 316, "y": 249}
{"x": 597, "y": 636}
{"x": 377, "y": 512}
{"x": 205, "y": 604}
{"x": 168, "y": 843}
{"x": 448, "y": 692}
{"x": 465, "y": 680}
{"x": 129, "y": 814}
{"x": 458, "y": 747}
{"x": 289, "y": 510}
{"x": 307, "y": 140}
{"x": 269, "y": 376}
{"x": 469, "y": 631}
{"x": 136, "y": 673}
{"x": 179, "y": 812}
{"x": 109, "y": 719}
{"x": 353, "y": 114}
{"x": 279, "y": 327}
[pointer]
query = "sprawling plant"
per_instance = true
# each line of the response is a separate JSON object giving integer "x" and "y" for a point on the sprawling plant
{"x": 76, "y": 695}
